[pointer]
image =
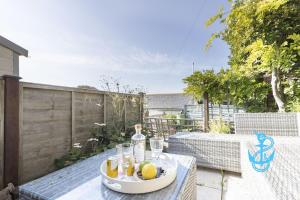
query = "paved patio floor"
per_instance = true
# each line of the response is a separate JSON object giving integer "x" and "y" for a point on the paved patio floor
{"x": 209, "y": 185}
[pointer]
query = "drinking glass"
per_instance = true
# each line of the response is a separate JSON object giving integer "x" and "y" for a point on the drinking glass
{"x": 156, "y": 144}
{"x": 124, "y": 149}
{"x": 125, "y": 158}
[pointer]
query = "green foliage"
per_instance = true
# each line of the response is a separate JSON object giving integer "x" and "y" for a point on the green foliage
{"x": 219, "y": 126}
{"x": 120, "y": 98}
{"x": 101, "y": 140}
{"x": 207, "y": 81}
{"x": 211, "y": 39}
{"x": 264, "y": 37}
{"x": 77, "y": 152}
{"x": 214, "y": 18}
{"x": 169, "y": 116}
{"x": 294, "y": 106}
{"x": 107, "y": 136}
{"x": 252, "y": 93}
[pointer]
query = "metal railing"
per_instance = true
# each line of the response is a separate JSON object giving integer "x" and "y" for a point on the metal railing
{"x": 226, "y": 112}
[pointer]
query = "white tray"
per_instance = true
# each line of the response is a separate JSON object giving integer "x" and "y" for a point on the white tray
{"x": 134, "y": 185}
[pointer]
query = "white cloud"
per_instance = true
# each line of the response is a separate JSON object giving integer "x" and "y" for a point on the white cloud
{"x": 134, "y": 60}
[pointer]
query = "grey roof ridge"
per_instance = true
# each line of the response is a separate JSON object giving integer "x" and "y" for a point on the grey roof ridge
{"x": 12, "y": 46}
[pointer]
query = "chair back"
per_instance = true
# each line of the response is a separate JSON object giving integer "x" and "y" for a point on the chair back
{"x": 276, "y": 124}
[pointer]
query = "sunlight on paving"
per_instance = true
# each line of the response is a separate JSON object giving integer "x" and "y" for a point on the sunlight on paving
{"x": 208, "y": 184}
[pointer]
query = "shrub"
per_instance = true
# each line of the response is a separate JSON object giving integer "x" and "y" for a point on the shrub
{"x": 169, "y": 116}
{"x": 294, "y": 106}
{"x": 219, "y": 126}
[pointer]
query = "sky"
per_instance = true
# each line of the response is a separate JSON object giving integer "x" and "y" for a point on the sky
{"x": 142, "y": 43}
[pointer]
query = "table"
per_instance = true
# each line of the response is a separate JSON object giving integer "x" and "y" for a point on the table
{"x": 82, "y": 180}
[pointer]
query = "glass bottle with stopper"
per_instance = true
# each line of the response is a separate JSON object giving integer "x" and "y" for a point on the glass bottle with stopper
{"x": 139, "y": 144}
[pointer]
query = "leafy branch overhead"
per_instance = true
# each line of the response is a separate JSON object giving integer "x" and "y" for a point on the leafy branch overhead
{"x": 264, "y": 40}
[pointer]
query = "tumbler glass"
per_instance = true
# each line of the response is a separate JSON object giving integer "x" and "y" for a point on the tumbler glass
{"x": 125, "y": 157}
{"x": 157, "y": 145}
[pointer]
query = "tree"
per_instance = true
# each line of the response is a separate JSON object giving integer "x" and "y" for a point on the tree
{"x": 205, "y": 82}
{"x": 264, "y": 39}
{"x": 254, "y": 94}
{"x": 206, "y": 85}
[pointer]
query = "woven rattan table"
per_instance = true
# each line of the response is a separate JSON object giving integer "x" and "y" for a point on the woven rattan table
{"x": 83, "y": 181}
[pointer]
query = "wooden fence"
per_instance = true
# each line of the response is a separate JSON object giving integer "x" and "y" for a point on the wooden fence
{"x": 1, "y": 131}
{"x": 52, "y": 118}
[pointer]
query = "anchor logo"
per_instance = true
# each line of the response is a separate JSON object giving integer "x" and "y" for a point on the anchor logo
{"x": 261, "y": 159}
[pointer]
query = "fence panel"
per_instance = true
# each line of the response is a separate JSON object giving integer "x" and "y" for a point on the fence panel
{"x": 46, "y": 133}
{"x": 89, "y": 108}
{"x": 111, "y": 114}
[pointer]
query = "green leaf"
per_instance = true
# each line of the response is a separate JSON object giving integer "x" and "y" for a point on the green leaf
{"x": 214, "y": 18}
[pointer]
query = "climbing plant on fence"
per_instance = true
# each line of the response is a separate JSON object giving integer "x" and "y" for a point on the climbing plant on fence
{"x": 118, "y": 128}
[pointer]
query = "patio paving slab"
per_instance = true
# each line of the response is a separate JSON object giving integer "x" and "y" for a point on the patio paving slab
{"x": 236, "y": 188}
{"x": 207, "y": 193}
{"x": 209, "y": 177}
{"x": 208, "y": 184}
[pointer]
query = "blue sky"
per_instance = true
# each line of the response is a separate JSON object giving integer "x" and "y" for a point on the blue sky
{"x": 149, "y": 43}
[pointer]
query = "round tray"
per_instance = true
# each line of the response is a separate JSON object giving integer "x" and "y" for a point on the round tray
{"x": 135, "y": 185}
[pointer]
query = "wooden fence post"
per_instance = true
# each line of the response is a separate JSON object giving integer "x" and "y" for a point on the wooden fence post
{"x": 206, "y": 112}
{"x": 1, "y": 132}
{"x": 11, "y": 130}
{"x": 21, "y": 91}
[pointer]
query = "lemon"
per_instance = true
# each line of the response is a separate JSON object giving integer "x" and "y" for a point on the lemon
{"x": 149, "y": 171}
{"x": 142, "y": 164}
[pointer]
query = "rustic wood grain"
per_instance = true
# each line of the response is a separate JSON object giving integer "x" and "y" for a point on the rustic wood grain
{"x": 1, "y": 130}
{"x": 52, "y": 118}
{"x": 46, "y": 133}
{"x": 86, "y": 114}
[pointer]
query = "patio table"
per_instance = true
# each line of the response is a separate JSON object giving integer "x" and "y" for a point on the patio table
{"x": 82, "y": 180}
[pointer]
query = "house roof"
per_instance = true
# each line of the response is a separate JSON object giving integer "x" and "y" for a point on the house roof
{"x": 168, "y": 101}
{"x": 12, "y": 46}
